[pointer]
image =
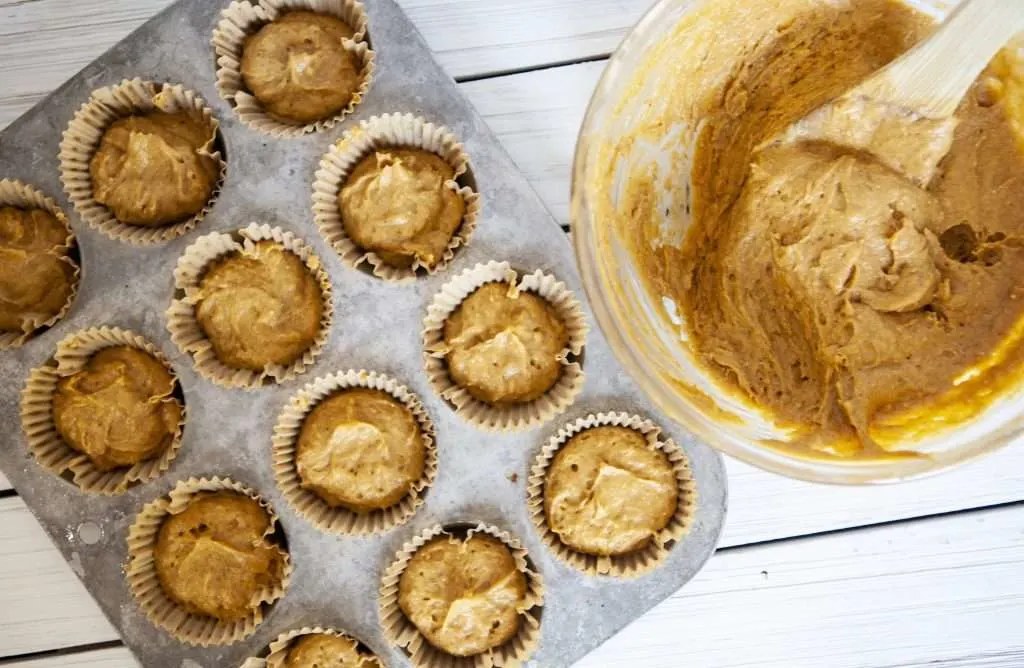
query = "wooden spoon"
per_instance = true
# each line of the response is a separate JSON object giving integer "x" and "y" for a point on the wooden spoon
{"x": 903, "y": 114}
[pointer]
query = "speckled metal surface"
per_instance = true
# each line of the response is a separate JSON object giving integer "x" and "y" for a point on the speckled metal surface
{"x": 482, "y": 475}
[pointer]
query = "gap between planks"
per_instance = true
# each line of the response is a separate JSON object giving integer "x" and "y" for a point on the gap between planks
{"x": 941, "y": 592}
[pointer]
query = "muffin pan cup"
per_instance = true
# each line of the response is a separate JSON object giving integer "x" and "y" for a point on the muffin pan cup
{"x": 482, "y": 474}
{"x": 313, "y": 508}
{"x": 278, "y": 649}
{"x": 186, "y": 331}
{"x": 82, "y": 139}
{"x": 144, "y": 582}
{"x": 243, "y": 18}
{"x": 514, "y": 417}
{"x": 378, "y": 133}
{"x": 23, "y": 196}
{"x": 45, "y": 442}
{"x": 400, "y": 631}
{"x": 628, "y": 565}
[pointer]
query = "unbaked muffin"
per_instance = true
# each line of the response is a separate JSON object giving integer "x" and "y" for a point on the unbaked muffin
{"x": 505, "y": 346}
{"x": 215, "y": 558}
{"x": 259, "y": 308}
{"x": 608, "y": 492}
{"x": 119, "y": 410}
{"x": 36, "y": 274}
{"x": 402, "y": 204}
{"x": 298, "y": 67}
{"x": 360, "y": 449}
{"x": 155, "y": 169}
{"x": 465, "y": 595}
{"x": 325, "y": 650}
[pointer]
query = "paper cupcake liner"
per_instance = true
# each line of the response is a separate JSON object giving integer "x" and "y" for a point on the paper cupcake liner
{"x": 82, "y": 139}
{"x": 145, "y": 585}
{"x": 380, "y": 132}
{"x": 45, "y": 442}
{"x": 188, "y": 335}
{"x": 243, "y": 18}
{"x": 23, "y": 196}
{"x": 481, "y": 413}
{"x": 628, "y": 565}
{"x": 280, "y": 647}
{"x": 399, "y": 631}
{"x": 307, "y": 503}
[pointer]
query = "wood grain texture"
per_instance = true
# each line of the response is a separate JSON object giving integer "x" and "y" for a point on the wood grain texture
{"x": 943, "y": 593}
{"x": 43, "y": 42}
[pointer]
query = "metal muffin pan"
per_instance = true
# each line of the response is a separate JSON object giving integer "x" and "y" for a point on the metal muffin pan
{"x": 377, "y": 326}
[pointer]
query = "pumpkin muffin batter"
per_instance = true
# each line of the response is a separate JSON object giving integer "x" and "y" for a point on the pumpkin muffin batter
{"x": 36, "y": 274}
{"x": 505, "y": 346}
{"x": 155, "y": 169}
{"x": 324, "y": 650}
{"x": 119, "y": 410}
{"x": 464, "y": 595}
{"x": 361, "y": 449}
{"x": 259, "y": 307}
{"x": 403, "y": 205}
{"x": 215, "y": 559}
{"x": 834, "y": 288}
{"x": 298, "y": 68}
{"x": 608, "y": 492}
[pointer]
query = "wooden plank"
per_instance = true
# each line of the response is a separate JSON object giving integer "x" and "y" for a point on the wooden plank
{"x": 940, "y": 592}
{"x": 41, "y": 41}
{"x": 116, "y": 657}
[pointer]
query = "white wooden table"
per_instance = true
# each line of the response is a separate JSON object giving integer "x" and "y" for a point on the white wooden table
{"x": 925, "y": 574}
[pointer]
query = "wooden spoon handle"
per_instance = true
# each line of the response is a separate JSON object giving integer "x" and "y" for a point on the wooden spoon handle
{"x": 934, "y": 76}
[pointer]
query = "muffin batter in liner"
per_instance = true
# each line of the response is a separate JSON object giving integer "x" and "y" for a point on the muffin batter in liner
{"x": 45, "y": 442}
{"x": 23, "y": 196}
{"x": 145, "y": 584}
{"x": 307, "y": 503}
{"x": 401, "y": 632}
{"x": 242, "y": 19}
{"x": 283, "y": 643}
{"x": 184, "y": 327}
{"x": 636, "y": 563}
{"x": 383, "y": 132}
{"x": 517, "y": 416}
{"x": 82, "y": 139}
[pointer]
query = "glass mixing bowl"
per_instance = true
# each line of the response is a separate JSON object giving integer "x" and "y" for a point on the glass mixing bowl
{"x": 646, "y": 332}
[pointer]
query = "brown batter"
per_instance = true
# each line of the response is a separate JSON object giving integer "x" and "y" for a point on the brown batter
{"x": 323, "y": 650}
{"x": 402, "y": 204}
{"x": 608, "y": 492}
{"x": 361, "y": 449}
{"x": 214, "y": 558}
{"x": 298, "y": 68}
{"x": 260, "y": 308}
{"x": 155, "y": 169}
{"x": 818, "y": 280}
{"x": 505, "y": 346}
{"x": 36, "y": 274}
{"x": 464, "y": 595}
{"x": 119, "y": 410}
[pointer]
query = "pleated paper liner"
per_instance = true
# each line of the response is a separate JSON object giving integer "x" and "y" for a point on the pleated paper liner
{"x": 243, "y": 18}
{"x": 181, "y": 317}
{"x": 23, "y": 196}
{"x": 280, "y": 647}
{"x": 45, "y": 442}
{"x": 629, "y": 565}
{"x": 401, "y": 632}
{"x": 145, "y": 584}
{"x": 82, "y": 139}
{"x": 309, "y": 504}
{"x": 517, "y": 416}
{"x": 382, "y": 132}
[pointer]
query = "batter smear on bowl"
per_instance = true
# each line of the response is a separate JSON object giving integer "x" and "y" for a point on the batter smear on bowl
{"x": 826, "y": 285}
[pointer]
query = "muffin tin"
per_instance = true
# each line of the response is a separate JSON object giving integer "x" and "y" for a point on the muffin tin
{"x": 482, "y": 476}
